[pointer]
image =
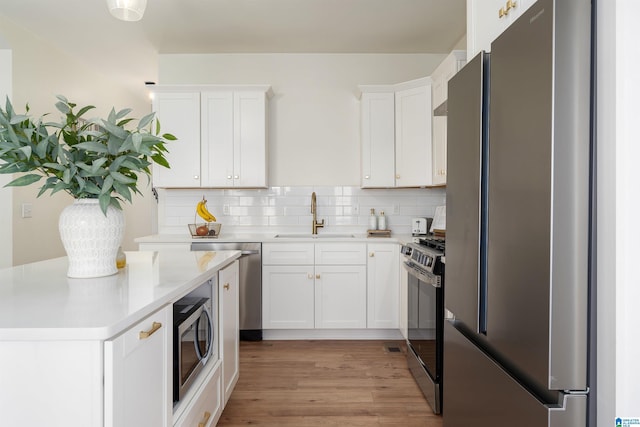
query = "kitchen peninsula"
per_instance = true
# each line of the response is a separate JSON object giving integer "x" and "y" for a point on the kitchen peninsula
{"x": 98, "y": 352}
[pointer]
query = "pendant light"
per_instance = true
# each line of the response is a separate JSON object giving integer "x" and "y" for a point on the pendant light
{"x": 127, "y": 10}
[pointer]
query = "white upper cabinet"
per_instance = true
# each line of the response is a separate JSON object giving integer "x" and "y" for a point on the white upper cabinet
{"x": 234, "y": 152}
{"x": 440, "y": 76}
{"x": 378, "y": 139}
{"x": 222, "y": 137}
{"x": 179, "y": 114}
{"x": 413, "y": 137}
{"x": 487, "y": 19}
{"x": 396, "y": 135}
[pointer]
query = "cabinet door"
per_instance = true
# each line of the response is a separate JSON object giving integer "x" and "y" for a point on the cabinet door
{"x": 439, "y": 150}
{"x": 179, "y": 114}
{"x": 340, "y": 297}
{"x": 378, "y": 139}
{"x": 441, "y": 75}
{"x": 234, "y": 138}
{"x": 137, "y": 379}
{"x": 382, "y": 286}
{"x": 287, "y": 297}
{"x": 413, "y": 137}
{"x": 249, "y": 139}
{"x": 229, "y": 288}
{"x": 217, "y": 138}
{"x": 485, "y": 22}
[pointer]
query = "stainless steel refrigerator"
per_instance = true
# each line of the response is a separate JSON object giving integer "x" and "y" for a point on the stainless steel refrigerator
{"x": 519, "y": 347}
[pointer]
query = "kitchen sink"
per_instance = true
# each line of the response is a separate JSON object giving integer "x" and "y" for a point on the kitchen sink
{"x": 314, "y": 236}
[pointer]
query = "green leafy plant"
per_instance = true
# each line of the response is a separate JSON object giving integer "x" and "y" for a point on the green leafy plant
{"x": 94, "y": 158}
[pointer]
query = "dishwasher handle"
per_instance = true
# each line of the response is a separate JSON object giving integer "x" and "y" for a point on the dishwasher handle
{"x": 247, "y": 253}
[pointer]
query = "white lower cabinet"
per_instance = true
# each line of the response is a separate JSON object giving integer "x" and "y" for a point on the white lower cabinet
{"x": 340, "y": 296}
{"x": 314, "y": 285}
{"x": 287, "y": 296}
{"x": 383, "y": 289}
{"x": 137, "y": 380}
{"x": 228, "y": 279}
{"x": 203, "y": 404}
{"x": 330, "y": 286}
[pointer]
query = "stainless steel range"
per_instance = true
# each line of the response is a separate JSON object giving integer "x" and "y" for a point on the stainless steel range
{"x": 423, "y": 262}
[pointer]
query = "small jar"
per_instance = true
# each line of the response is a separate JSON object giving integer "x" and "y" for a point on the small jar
{"x": 373, "y": 221}
{"x": 121, "y": 258}
{"x": 382, "y": 221}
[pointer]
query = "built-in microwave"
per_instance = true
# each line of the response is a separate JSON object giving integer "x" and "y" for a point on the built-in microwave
{"x": 195, "y": 340}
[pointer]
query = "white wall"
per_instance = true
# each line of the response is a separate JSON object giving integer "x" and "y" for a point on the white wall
{"x": 314, "y": 136}
{"x": 39, "y": 73}
{"x": 6, "y": 196}
{"x": 618, "y": 206}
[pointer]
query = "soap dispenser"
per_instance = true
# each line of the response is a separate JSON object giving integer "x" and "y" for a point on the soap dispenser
{"x": 382, "y": 221}
{"x": 373, "y": 221}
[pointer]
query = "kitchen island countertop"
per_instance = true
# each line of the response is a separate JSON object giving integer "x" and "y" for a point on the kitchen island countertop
{"x": 39, "y": 302}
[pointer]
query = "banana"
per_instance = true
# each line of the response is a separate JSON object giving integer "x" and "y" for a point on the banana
{"x": 201, "y": 209}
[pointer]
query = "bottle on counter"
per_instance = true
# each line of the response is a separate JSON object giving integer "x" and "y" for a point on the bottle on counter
{"x": 121, "y": 258}
{"x": 373, "y": 221}
{"x": 382, "y": 221}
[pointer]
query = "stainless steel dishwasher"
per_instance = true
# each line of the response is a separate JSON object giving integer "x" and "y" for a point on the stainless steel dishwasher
{"x": 250, "y": 284}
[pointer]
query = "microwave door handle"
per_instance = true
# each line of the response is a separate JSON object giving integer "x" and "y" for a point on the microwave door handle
{"x": 209, "y": 337}
{"x": 196, "y": 341}
{"x": 209, "y": 334}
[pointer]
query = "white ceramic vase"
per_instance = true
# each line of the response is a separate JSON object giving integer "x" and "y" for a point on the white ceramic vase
{"x": 90, "y": 238}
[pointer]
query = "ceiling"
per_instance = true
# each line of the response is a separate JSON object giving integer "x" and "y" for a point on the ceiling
{"x": 128, "y": 50}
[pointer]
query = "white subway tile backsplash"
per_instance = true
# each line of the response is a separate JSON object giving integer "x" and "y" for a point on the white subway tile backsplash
{"x": 287, "y": 209}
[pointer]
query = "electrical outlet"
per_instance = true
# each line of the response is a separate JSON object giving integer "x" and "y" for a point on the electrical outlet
{"x": 356, "y": 209}
{"x": 225, "y": 209}
{"x": 27, "y": 210}
{"x": 396, "y": 208}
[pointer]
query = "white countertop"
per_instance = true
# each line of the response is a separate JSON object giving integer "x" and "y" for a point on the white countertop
{"x": 271, "y": 238}
{"x": 39, "y": 302}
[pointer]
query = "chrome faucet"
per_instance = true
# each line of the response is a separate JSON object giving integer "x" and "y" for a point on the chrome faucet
{"x": 315, "y": 224}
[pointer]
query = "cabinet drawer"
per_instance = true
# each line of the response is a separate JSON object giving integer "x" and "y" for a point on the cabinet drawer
{"x": 287, "y": 254}
{"x": 340, "y": 254}
{"x": 206, "y": 407}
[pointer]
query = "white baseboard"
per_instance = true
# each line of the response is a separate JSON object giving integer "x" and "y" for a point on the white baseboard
{"x": 331, "y": 334}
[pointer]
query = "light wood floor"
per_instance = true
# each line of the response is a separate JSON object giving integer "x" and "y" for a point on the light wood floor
{"x": 325, "y": 383}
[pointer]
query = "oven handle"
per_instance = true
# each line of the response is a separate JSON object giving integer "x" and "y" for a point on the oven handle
{"x": 423, "y": 276}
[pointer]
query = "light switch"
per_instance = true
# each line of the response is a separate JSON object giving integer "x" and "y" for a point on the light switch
{"x": 26, "y": 210}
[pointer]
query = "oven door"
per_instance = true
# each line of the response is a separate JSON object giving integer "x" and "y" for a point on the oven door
{"x": 195, "y": 338}
{"x": 426, "y": 319}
